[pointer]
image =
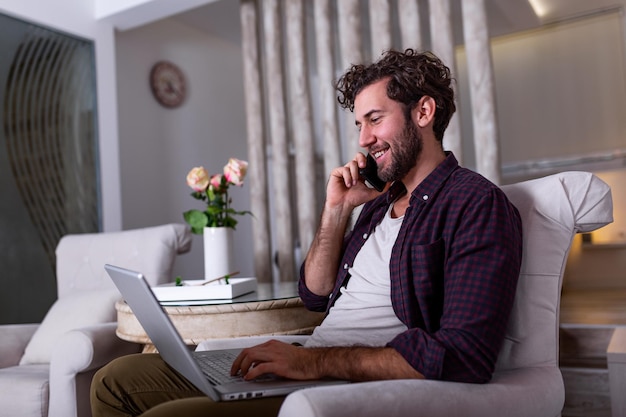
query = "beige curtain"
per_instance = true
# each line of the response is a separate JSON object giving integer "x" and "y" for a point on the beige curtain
{"x": 293, "y": 51}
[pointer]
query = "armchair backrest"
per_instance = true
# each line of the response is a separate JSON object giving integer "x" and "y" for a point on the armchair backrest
{"x": 553, "y": 210}
{"x": 151, "y": 250}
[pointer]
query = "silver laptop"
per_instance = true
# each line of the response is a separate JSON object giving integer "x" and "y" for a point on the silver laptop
{"x": 209, "y": 371}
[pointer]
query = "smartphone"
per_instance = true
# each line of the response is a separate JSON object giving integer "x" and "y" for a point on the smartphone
{"x": 370, "y": 174}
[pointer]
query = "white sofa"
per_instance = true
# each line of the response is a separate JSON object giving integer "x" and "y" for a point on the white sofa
{"x": 46, "y": 368}
{"x": 527, "y": 381}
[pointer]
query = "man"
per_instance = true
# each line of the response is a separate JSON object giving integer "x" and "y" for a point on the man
{"x": 421, "y": 287}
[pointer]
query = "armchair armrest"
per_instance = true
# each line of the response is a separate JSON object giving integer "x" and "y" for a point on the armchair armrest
{"x": 540, "y": 388}
{"x": 616, "y": 358}
{"x": 78, "y": 354}
{"x": 89, "y": 348}
{"x": 13, "y": 341}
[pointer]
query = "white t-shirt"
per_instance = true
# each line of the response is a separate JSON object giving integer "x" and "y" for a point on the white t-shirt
{"x": 362, "y": 314}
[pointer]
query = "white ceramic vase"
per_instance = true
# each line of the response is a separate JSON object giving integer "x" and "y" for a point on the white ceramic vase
{"x": 218, "y": 252}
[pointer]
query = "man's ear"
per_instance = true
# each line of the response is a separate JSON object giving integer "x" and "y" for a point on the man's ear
{"x": 424, "y": 111}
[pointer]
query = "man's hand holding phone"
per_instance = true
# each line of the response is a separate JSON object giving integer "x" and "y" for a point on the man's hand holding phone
{"x": 347, "y": 184}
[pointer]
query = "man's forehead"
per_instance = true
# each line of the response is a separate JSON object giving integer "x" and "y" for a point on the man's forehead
{"x": 371, "y": 98}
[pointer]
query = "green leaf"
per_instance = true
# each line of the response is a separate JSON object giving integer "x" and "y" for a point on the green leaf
{"x": 198, "y": 195}
{"x": 197, "y": 220}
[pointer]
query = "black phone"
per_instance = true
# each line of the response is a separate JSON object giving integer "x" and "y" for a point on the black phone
{"x": 370, "y": 174}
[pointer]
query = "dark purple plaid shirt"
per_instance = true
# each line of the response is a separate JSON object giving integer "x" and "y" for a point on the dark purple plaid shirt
{"x": 454, "y": 270}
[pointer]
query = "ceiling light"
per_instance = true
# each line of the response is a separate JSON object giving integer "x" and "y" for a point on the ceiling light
{"x": 540, "y": 7}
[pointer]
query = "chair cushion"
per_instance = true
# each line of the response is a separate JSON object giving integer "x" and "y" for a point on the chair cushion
{"x": 75, "y": 310}
{"x": 25, "y": 390}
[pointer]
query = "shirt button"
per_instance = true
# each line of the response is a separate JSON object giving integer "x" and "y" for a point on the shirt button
{"x": 425, "y": 197}
{"x": 346, "y": 266}
{"x": 364, "y": 236}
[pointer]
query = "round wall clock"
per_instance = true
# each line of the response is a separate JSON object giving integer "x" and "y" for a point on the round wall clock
{"x": 168, "y": 84}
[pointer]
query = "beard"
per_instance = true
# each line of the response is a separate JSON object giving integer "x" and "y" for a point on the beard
{"x": 408, "y": 147}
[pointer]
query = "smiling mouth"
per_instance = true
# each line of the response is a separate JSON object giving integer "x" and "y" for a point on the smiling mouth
{"x": 379, "y": 153}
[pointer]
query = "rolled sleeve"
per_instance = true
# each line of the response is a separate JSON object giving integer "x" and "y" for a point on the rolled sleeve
{"x": 310, "y": 300}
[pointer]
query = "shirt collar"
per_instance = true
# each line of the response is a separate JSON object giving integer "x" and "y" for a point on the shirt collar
{"x": 436, "y": 178}
{"x": 428, "y": 186}
{"x": 396, "y": 191}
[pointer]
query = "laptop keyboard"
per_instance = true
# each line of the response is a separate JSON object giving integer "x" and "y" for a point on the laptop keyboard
{"x": 216, "y": 367}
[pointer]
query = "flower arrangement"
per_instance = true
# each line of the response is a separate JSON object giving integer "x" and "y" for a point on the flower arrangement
{"x": 213, "y": 190}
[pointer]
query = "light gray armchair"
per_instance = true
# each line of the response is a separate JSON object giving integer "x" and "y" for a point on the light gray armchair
{"x": 527, "y": 381}
{"x": 46, "y": 368}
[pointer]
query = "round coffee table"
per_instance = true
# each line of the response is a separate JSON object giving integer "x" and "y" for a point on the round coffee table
{"x": 274, "y": 309}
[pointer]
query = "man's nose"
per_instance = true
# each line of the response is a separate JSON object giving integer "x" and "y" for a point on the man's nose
{"x": 366, "y": 137}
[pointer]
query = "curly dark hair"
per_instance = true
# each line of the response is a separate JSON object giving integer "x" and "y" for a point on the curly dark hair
{"x": 412, "y": 75}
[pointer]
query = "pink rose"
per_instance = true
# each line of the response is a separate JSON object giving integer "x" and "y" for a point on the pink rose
{"x": 235, "y": 171}
{"x": 198, "y": 179}
{"x": 216, "y": 182}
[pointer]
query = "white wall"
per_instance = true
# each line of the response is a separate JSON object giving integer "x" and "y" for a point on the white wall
{"x": 76, "y": 17}
{"x": 158, "y": 146}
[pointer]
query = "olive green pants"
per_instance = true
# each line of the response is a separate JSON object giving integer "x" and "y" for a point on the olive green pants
{"x": 143, "y": 384}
